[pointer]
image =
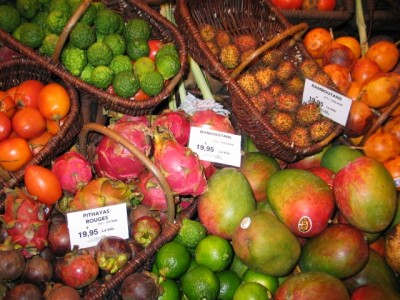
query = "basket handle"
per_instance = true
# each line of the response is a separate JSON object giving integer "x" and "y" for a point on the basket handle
{"x": 297, "y": 31}
{"x": 67, "y": 29}
{"x": 82, "y": 142}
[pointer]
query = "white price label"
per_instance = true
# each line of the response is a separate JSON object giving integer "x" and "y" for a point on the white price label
{"x": 216, "y": 146}
{"x": 87, "y": 227}
{"x": 332, "y": 105}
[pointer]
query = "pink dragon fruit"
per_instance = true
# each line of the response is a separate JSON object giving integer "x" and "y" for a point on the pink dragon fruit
{"x": 179, "y": 164}
{"x": 25, "y": 220}
{"x": 153, "y": 194}
{"x": 102, "y": 192}
{"x": 114, "y": 161}
{"x": 209, "y": 119}
{"x": 178, "y": 122}
{"x": 73, "y": 170}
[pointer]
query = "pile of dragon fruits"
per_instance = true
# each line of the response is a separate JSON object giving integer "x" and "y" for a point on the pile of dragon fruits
{"x": 113, "y": 176}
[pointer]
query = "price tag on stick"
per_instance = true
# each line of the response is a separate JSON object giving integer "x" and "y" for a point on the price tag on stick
{"x": 216, "y": 146}
{"x": 87, "y": 227}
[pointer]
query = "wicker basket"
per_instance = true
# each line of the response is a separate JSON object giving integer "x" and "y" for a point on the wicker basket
{"x": 162, "y": 29}
{"x": 12, "y": 73}
{"x": 270, "y": 28}
{"x": 108, "y": 289}
{"x": 342, "y": 13}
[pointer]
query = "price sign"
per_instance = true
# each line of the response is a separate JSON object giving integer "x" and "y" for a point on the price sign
{"x": 87, "y": 227}
{"x": 216, "y": 146}
{"x": 332, "y": 105}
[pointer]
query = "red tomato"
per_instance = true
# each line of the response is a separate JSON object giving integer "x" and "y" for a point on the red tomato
{"x": 140, "y": 95}
{"x": 54, "y": 102}
{"x": 288, "y": 4}
{"x": 28, "y": 123}
{"x": 326, "y": 5}
{"x": 42, "y": 184}
{"x": 7, "y": 104}
{"x": 154, "y": 46}
{"x": 11, "y": 91}
{"x": 14, "y": 153}
{"x": 27, "y": 93}
{"x": 54, "y": 126}
{"x": 5, "y": 126}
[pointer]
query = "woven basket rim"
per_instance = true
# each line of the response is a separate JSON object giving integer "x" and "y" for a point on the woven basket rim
{"x": 102, "y": 96}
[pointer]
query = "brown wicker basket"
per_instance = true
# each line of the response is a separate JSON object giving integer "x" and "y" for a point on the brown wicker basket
{"x": 108, "y": 289}
{"x": 262, "y": 20}
{"x": 162, "y": 29}
{"x": 342, "y": 13}
{"x": 12, "y": 73}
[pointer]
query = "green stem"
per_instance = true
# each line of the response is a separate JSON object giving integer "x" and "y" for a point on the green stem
{"x": 200, "y": 79}
{"x": 362, "y": 28}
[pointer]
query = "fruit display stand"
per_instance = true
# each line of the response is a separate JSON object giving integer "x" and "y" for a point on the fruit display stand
{"x": 342, "y": 13}
{"x": 17, "y": 70}
{"x": 161, "y": 29}
{"x": 262, "y": 20}
{"x": 106, "y": 289}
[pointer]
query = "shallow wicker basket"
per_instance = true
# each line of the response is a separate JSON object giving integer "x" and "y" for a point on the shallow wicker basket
{"x": 342, "y": 13}
{"x": 162, "y": 29}
{"x": 12, "y": 73}
{"x": 109, "y": 288}
{"x": 262, "y": 20}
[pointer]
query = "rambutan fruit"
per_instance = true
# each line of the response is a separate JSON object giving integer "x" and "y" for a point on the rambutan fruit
{"x": 265, "y": 76}
{"x": 207, "y": 32}
{"x": 264, "y": 101}
{"x": 321, "y": 129}
{"x": 286, "y": 70}
{"x": 309, "y": 68}
{"x": 213, "y": 48}
{"x": 308, "y": 114}
{"x": 229, "y": 56}
{"x": 281, "y": 121}
{"x": 295, "y": 85}
{"x": 275, "y": 89}
{"x": 245, "y": 42}
{"x": 272, "y": 58}
{"x": 249, "y": 84}
{"x": 288, "y": 102}
{"x": 300, "y": 137}
{"x": 223, "y": 38}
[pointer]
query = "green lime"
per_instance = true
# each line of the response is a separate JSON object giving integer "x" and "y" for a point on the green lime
{"x": 126, "y": 84}
{"x": 170, "y": 290}
{"x": 60, "y": 5}
{"x": 151, "y": 83}
{"x": 200, "y": 283}
{"x": 82, "y": 36}
{"x": 107, "y": 21}
{"x": 74, "y": 60}
{"x": 270, "y": 282}
{"x": 214, "y": 252}
{"x": 172, "y": 260}
{"x": 229, "y": 281}
{"x": 143, "y": 65}
{"x": 137, "y": 29}
{"x": 238, "y": 266}
{"x": 116, "y": 42}
{"x": 56, "y": 21}
{"x": 49, "y": 44}
{"x": 28, "y": 8}
{"x": 99, "y": 54}
{"x": 121, "y": 63}
{"x": 10, "y": 18}
{"x": 167, "y": 49}
{"x": 89, "y": 15}
{"x": 137, "y": 48}
{"x": 102, "y": 77}
{"x": 191, "y": 233}
{"x": 168, "y": 66}
{"x": 31, "y": 35}
{"x": 252, "y": 291}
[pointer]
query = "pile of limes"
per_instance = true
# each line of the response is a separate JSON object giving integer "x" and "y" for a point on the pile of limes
{"x": 196, "y": 265}
{"x": 101, "y": 45}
